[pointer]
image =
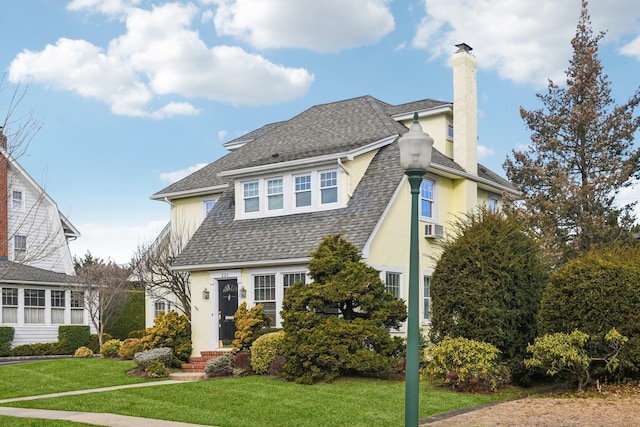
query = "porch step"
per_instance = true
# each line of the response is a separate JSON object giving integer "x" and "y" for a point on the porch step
{"x": 187, "y": 376}
{"x": 198, "y": 363}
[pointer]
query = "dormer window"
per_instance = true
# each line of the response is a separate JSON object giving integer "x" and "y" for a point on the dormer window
{"x": 303, "y": 190}
{"x": 296, "y": 192}
{"x": 251, "y": 196}
{"x": 275, "y": 197}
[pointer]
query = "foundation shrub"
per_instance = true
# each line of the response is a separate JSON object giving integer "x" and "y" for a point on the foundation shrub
{"x": 111, "y": 349}
{"x": 94, "y": 343}
{"x": 72, "y": 337}
{"x": 465, "y": 365}
{"x": 6, "y": 338}
{"x": 38, "y": 349}
{"x": 250, "y": 324}
{"x": 264, "y": 351}
{"x": 129, "y": 348}
{"x": 277, "y": 366}
{"x": 220, "y": 367}
{"x": 83, "y": 353}
{"x": 157, "y": 369}
{"x": 173, "y": 331}
{"x": 242, "y": 363}
{"x": 161, "y": 354}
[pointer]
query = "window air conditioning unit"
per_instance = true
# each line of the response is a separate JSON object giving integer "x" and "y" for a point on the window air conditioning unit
{"x": 433, "y": 231}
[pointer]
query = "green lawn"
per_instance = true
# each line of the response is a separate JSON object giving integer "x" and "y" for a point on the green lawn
{"x": 251, "y": 401}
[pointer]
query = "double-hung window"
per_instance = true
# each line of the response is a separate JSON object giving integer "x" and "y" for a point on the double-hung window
{"x": 392, "y": 283}
{"x": 19, "y": 247}
{"x": 17, "y": 199}
{"x": 303, "y": 190}
{"x": 493, "y": 204}
{"x": 208, "y": 205}
{"x": 426, "y": 299}
{"x": 9, "y": 305}
{"x": 288, "y": 279}
{"x": 275, "y": 196}
{"x": 265, "y": 294}
{"x": 328, "y": 187}
{"x": 77, "y": 307}
{"x": 427, "y": 201}
{"x": 251, "y": 196}
{"x": 34, "y": 306}
{"x": 57, "y": 307}
{"x": 160, "y": 307}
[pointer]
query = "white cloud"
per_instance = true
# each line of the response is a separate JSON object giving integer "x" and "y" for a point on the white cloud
{"x": 484, "y": 151}
{"x": 630, "y": 195}
{"x": 114, "y": 242}
{"x": 222, "y": 135}
{"x": 631, "y": 49}
{"x": 527, "y": 41}
{"x": 107, "y": 7}
{"x": 321, "y": 26}
{"x": 159, "y": 56}
{"x": 174, "y": 176}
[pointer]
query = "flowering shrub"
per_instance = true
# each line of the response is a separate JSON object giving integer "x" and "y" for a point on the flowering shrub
{"x": 129, "y": 348}
{"x": 220, "y": 367}
{"x": 162, "y": 355}
{"x": 264, "y": 351}
{"x": 111, "y": 348}
{"x": 83, "y": 352}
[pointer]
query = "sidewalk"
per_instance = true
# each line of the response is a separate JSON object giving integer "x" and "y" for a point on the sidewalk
{"x": 97, "y": 418}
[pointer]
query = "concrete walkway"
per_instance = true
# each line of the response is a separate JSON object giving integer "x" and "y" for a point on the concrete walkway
{"x": 97, "y": 418}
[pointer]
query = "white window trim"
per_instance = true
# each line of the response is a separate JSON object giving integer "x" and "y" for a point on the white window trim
{"x": 425, "y": 273}
{"x": 434, "y": 208}
{"x": 22, "y": 201}
{"x": 206, "y": 200}
{"x": 288, "y": 187}
{"x": 384, "y": 269}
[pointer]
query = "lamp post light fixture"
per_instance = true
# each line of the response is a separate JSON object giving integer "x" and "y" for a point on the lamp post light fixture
{"x": 415, "y": 157}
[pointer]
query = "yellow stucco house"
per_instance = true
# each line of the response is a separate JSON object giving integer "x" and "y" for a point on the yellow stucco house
{"x": 255, "y": 215}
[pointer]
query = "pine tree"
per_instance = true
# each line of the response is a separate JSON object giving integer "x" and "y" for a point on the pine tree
{"x": 581, "y": 155}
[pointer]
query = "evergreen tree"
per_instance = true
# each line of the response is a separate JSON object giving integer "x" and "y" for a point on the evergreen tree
{"x": 339, "y": 324}
{"x": 581, "y": 155}
{"x": 487, "y": 285}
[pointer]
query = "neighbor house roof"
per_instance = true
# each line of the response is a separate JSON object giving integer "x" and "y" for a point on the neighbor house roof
{"x": 16, "y": 273}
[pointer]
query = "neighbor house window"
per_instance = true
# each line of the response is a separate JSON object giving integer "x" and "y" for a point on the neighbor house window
{"x": 57, "y": 307}
{"x": 265, "y": 294}
{"x": 303, "y": 190}
{"x": 9, "y": 305}
{"x": 19, "y": 247}
{"x": 392, "y": 283}
{"x": 275, "y": 198}
{"x": 288, "y": 279}
{"x": 17, "y": 200}
{"x": 77, "y": 307}
{"x": 493, "y": 204}
{"x": 426, "y": 298}
{"x": 328, "y": 187}
{"x": 160, "y": 307}
{"x": 34, "y": 306}
{"x": 251, "y": 195}
{"x": 426, "y": 198}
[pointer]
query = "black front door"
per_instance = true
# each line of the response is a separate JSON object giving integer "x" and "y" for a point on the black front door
{"x": 228, "y": 305}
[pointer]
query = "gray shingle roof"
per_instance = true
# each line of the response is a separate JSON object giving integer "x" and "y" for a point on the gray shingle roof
{"x": 12, "y": 272}
{"x": 221, "y": 240}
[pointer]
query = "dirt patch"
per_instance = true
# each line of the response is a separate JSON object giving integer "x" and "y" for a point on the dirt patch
{"x": 613, "y": 407}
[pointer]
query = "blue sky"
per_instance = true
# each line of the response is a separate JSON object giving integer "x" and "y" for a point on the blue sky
{"x": 133, "y": 94}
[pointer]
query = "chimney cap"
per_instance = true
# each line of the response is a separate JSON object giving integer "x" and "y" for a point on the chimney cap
{"x": 463, "y": 47}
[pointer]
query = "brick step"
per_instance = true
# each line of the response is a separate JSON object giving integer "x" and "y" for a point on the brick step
{"x": 198, "y": 363}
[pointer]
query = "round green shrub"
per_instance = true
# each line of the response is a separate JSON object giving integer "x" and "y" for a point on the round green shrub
{"x": 595, "y": 293}
{"x": 264, "y": 351}
{"x": 94, "y": 342}
{"x": 465, "y": 365}
{"x": 83, "y": 352}
{"x": 111, "y": 348}
{"x": 129, "y": 348}
{"x": 157, "y": 369}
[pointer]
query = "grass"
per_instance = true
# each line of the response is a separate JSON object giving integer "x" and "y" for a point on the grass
{"x": 245, "y": 401}
{"x": 37, "y": 422}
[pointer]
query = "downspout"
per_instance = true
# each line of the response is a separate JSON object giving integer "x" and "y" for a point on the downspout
{"x": 349, "y": 193}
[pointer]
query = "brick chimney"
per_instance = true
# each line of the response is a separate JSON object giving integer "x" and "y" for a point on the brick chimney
{"x": 4, "y": 197}
{"x": 465, "y": 109}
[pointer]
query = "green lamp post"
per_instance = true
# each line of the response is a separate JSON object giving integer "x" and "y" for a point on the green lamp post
{"x": 415, "y": 157}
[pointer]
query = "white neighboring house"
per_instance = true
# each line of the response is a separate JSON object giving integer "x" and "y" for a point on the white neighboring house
{"x": 36, "y": 267}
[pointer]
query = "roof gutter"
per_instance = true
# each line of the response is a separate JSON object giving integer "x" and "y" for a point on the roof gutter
{"x": 241, "y": 264}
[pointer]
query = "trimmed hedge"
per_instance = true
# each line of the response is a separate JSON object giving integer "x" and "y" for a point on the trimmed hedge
{"x": 6, "y": 338}
{"x": 72, "y": 337}
{"x": 131, "y": 317}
